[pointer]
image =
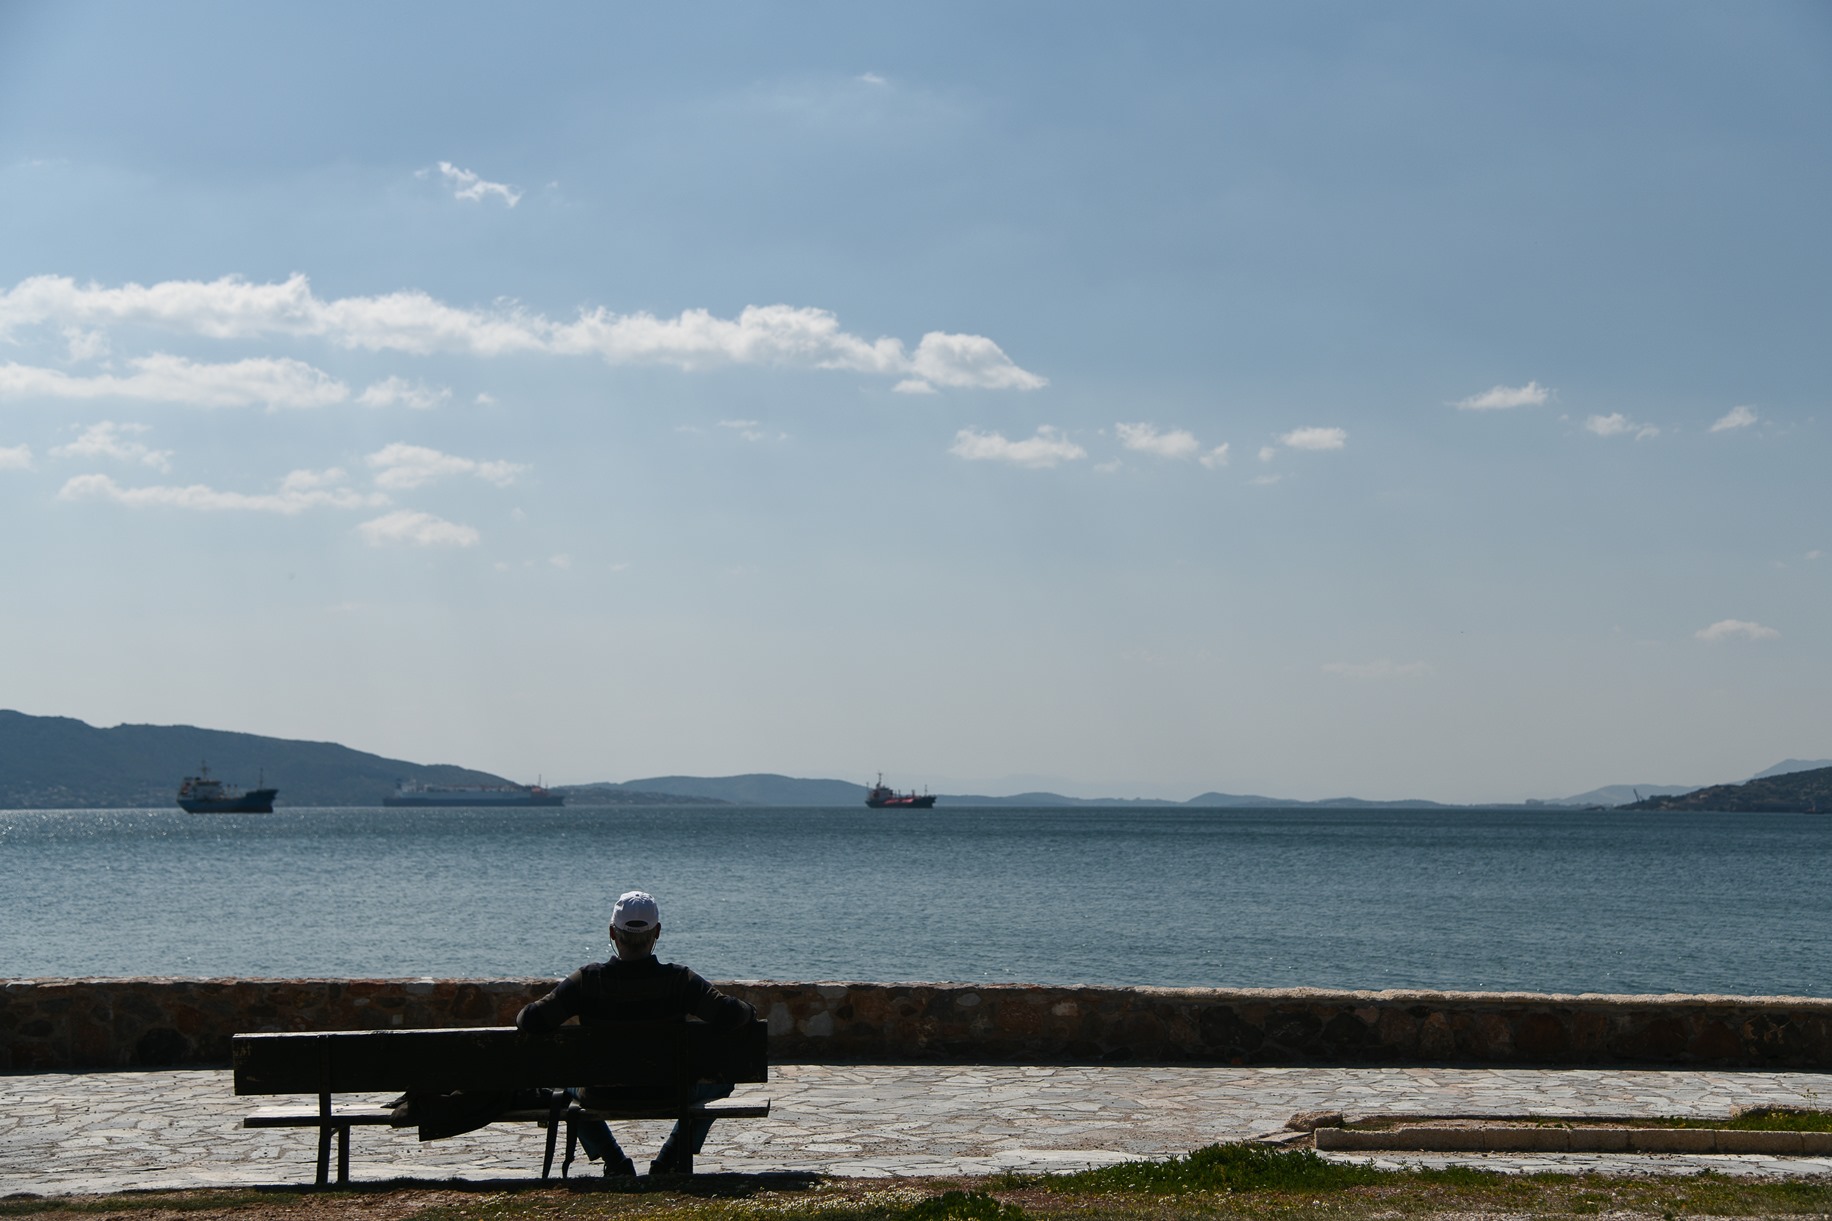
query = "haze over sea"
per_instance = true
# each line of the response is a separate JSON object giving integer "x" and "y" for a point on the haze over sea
{"x": 1560, "y": 901}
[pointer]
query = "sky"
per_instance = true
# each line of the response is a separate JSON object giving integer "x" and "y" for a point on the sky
{"x": 1403, "y": 400}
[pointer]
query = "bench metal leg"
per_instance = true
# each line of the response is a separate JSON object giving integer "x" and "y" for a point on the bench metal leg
{"x": 343, "y": 1154}
{"x": 556, "y": 1107}
{"x": 324, "y": 1139}
{"x": 572, "y": 1147}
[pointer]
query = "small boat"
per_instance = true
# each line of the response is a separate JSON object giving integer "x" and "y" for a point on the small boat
{"x": 204, "y": 794}
{"x": 460, "y": 795}
{"x": 880, "y": 797}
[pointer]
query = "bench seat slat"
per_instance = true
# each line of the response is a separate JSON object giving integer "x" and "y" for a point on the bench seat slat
{"x": 281, "y": 1117}
{"x": 362, "y": 1116}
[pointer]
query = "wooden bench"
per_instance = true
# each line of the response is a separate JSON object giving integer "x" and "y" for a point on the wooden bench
{"x": 666, "y": 1057}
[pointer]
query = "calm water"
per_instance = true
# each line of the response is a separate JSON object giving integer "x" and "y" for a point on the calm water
{"x": 1544, "y": 901}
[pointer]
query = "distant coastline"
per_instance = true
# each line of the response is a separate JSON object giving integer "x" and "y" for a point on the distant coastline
{"x": 63, "y": 763}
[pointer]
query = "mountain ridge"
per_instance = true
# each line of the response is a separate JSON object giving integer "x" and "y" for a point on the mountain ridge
{"x": 1805, "y": 792}
{"x": 63, "y": 763}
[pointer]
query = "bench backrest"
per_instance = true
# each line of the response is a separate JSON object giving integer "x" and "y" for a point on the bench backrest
{"x": 647, "y": 1054}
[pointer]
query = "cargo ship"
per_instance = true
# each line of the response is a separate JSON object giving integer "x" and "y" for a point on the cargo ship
{"x": 514, "y": 795}
{"x": 880, "y": 797}
{"x": 203, "y": 794}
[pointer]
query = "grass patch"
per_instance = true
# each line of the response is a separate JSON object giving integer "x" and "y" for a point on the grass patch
{"x": 1760, "y": 1119}
{"x": 1252, "y": 1181}
{"x": 1782, "y": 1119}
{"x": 1221, "y": 1168}
{"x": 148, "y": 1202}
{"x": 1217, "y": 1183}
{"x": 963, "y": 1206}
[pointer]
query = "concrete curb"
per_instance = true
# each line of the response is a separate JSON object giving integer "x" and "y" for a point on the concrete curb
{"x": 1539, "y": 1138}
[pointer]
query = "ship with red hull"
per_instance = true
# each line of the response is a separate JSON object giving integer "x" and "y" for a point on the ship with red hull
{"x": 881, "y": 797}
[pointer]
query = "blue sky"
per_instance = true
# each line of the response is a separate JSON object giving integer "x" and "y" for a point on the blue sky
{"x": 1407, "y": 400}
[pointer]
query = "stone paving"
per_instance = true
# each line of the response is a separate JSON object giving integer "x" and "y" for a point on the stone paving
{"x": 103, "y": 1132}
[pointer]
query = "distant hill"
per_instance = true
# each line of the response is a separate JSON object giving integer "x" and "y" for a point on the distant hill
{"x": 1620, "y": 794}
{"x": 1791, "y": 792}
{"x": 605, "y": 793}
{"x": 1792, "y": 765}
{"x": 1037, "y": 800}
{"x": 1624, "y": 794}
{"x": 769, "y": 789}
{"x": 752, "y": 789}
{"x": 61, "y": 763}
{"x": 55, "y": 763}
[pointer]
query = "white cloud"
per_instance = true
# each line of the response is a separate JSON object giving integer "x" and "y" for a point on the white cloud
{"x": 1315, "y": 438}
{"x": 1816, "y": 554}
{"x": 1736, "y": 417}
{"x": 414, "y": 322}
{"x": 399, "y": 390}
{"x": 1215, "y": 458}
{"x": 561, "y": 561}
{"x": 407, "y": 527}
{"x": 15, "y": 457}
{"x": 110, "y": 440}
{"x": 1736, "y": 629}
{"x": 968, "y": 360}
{"x": 751, "y": 430}
{"x": 1267, "y": 453}
{"x": 1146, "y": 439}
{"x": 1369, "y": 671}
{"x": 402, "y": 467}
{"x": 174, "y": 379}
{"x": 85, "y": 345}
{"x": 914, "y": 385}
{"x": 1046, "y": 449}
{"x": 871, "y": 78}
{"x": 1616, "y": 424}
{"x": 298, "y": 492}
{"x": 1265, "y": 481}
{"x": 1502, "y": 398}
{"x": 470, "y": 186}
{"x": 485, "y": 399}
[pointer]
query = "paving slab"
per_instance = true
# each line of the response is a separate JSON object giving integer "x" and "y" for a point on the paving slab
{"x": 105, "y": 1132}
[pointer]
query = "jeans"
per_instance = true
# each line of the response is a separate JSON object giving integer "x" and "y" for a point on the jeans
{"x": 689, "y": 1131}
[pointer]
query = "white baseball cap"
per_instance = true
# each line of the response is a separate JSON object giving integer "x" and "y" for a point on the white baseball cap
{"x": 635, "y": 912}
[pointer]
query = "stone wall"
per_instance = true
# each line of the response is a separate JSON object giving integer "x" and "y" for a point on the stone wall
{"x": 130, "y": 1023}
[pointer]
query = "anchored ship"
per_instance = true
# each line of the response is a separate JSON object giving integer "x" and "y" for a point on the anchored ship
{"x": 517, "y": 795}
{"x": 203, "y": 794}
{"x": 880, "y": 797}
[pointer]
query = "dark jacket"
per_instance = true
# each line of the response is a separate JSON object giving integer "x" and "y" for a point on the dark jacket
{"x": 634, "y": 990}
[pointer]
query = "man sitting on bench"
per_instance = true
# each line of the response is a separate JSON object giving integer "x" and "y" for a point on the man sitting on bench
{"x": 634, "y": 986}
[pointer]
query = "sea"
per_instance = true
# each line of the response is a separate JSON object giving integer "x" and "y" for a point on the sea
{"x": 1539, "y": 900}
